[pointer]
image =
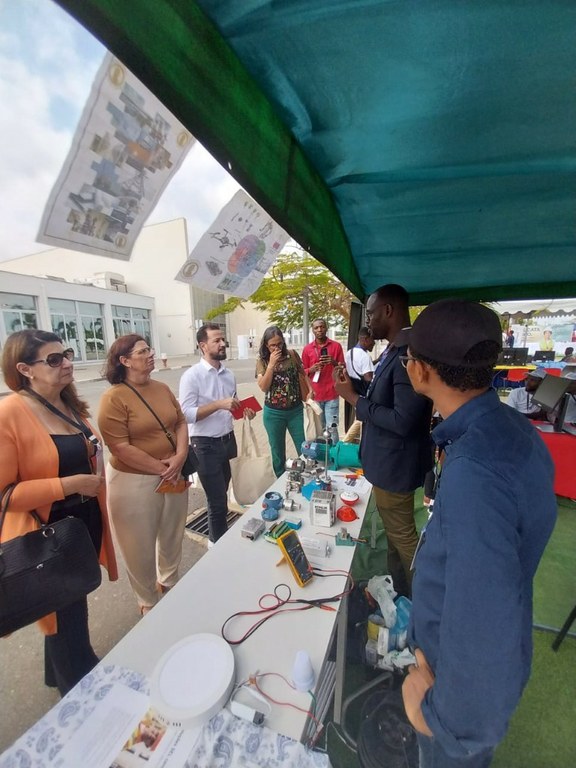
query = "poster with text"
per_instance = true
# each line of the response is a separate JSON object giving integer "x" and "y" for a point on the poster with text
{"x": 125, "y": 150}
{"x": 237, "y": 250}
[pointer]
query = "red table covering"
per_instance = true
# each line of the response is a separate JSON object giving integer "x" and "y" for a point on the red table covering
{"x": 562, "y": 447}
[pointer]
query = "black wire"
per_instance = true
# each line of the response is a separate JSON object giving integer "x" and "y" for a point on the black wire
{"x": 274, "y": 610}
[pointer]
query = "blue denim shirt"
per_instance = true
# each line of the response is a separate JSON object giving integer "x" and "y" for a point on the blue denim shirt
{"x": 472, "y": 593}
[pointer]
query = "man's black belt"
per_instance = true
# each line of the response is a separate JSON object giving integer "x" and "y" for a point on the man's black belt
{"x": 222, "y": 439}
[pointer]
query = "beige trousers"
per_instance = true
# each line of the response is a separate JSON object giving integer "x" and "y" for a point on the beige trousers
{"x": 148, "y": 528}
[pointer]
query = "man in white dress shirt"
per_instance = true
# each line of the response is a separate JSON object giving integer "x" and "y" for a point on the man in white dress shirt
{"x": 207, "y": 397}
{"x": 360, "y": 367}
{"x": 358, "y": 361}
{"x": 521, "y": 398}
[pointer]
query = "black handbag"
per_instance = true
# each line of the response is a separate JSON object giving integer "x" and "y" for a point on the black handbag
{"x": 191, "y": 462}
{"x": 45, "y": 570}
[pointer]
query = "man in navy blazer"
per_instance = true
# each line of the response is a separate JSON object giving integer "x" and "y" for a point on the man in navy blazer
{"x": 395, "y": 449}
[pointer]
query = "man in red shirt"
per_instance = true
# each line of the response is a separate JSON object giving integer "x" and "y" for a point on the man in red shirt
{"x": 319, "y": 358}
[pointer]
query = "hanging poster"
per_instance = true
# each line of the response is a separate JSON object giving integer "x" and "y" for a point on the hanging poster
{"x": 237, "y": 250}
{"x": 125, "y": 150}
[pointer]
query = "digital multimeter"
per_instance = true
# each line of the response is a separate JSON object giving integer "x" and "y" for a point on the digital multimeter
{"x": 291, "y": 547}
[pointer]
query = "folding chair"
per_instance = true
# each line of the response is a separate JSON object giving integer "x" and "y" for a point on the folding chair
{"x": 515, "y": 376}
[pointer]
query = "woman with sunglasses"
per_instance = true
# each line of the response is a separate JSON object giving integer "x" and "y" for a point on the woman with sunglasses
{"x": 48, "y": 450}
{"x": 280, "y": 375}
{"x": 146, "y": 432}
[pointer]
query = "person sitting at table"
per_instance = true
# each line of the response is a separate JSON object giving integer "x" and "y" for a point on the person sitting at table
{"x": 568, "y": 355}
{"x": 521, "y": 398}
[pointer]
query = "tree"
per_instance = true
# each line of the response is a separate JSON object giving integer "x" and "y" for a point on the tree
{"x": 281, "y": 293}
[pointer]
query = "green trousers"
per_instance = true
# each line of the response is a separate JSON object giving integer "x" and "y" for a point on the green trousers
{"x": 276, "y": 422}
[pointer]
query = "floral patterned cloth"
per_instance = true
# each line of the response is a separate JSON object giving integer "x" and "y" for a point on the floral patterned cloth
{"x": 224, "y": 741}
{"x": 284, "y": 392}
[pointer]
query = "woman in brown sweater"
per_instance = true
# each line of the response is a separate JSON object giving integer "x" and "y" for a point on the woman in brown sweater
{"x": 148, "y": 525}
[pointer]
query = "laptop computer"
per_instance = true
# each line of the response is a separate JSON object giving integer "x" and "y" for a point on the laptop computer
{"x": 544, "y": 356}
{"x": 520, "y": 355}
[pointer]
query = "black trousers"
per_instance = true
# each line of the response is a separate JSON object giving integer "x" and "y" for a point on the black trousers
{"x": 68, "y": 655}
{"x": 214, "y": 454}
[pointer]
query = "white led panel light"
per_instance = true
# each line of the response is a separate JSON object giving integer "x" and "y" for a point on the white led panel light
{"x": 193, "y": 680}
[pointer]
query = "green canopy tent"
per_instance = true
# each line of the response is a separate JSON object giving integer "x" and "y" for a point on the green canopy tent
{"x": 426, "y": 143}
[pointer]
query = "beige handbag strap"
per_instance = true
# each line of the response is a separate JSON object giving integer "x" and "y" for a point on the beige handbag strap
{"x": 248, "y": 443}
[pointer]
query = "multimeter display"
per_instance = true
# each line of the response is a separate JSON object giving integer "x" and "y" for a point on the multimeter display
{"x": 290, "y": 545}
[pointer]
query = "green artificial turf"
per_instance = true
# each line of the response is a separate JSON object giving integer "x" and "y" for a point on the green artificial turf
{"x": 542, "y": 732}
{"x": 555, "y": 582}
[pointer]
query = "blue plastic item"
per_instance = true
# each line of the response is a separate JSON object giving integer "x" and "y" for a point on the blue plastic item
{"x": 397, "y": 636}
{"x": 314, "y": 485}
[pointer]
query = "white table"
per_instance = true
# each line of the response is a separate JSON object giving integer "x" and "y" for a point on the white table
{"x": 231, "y": 577}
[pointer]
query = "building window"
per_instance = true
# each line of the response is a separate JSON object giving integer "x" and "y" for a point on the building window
{"x": 131, "y": 320}
{"x": 64, "y": 320}
{"x": 18, "y": 312}
{"x": 80, "y": 325}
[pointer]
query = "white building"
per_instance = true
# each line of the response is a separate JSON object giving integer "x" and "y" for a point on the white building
{"x": 91, "y": 300}
{"x": 87, "y": 318}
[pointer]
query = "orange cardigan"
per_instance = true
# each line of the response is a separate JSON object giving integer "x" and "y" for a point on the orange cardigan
{"x": 28, "y": 457}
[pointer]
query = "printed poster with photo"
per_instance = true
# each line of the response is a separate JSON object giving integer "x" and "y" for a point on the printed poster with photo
{"x": 237, "y": 250}
{"x": 152, "y": 745}
{"x": 125, "y": 150}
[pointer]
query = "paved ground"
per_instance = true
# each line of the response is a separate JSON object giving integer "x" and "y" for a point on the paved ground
{"x": 113, "y": 611}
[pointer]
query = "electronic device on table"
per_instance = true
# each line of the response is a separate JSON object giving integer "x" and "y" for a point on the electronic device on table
{"x": 551, "y": 392}
{"x": 519, "y": 355}
{"x": 252, "y": 528}
{"x": 513, "y": 356}
{"x": 192, "y": 681}
{"x": 296, "y": 558}
{"x": 323, "y": 508}
{"x": 543, "y": 356}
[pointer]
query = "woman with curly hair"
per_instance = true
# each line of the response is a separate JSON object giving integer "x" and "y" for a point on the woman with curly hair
{"x": 280, "y": 375}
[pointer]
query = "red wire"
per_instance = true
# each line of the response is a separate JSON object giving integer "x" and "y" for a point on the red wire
{"x": 279, "y": 602}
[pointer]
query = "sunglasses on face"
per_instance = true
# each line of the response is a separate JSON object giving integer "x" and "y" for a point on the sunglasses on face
{"x": 55, "y": 359}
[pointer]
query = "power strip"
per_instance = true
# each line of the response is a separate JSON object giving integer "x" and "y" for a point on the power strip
{"x": 315, "y": 547}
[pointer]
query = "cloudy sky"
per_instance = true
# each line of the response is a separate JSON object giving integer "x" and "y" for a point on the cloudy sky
{"x": 47, "y": 65}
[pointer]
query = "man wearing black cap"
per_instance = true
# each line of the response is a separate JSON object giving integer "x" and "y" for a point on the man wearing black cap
{"x": 471, "y": 623}
{"x": 395, "y": 448}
